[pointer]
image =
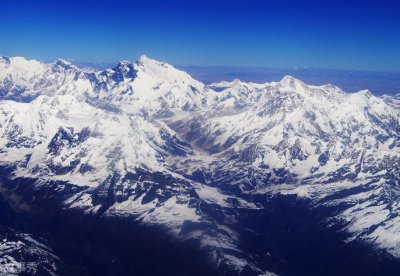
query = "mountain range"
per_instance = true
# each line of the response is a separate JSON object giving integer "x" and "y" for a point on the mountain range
{"x": 228, "y": 166}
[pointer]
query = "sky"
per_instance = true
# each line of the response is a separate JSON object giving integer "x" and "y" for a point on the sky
{"x": 361, "y": 35}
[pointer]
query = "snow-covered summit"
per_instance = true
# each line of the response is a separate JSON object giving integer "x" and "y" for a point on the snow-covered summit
{"x": 164, "y": 71}
{"x": 20, "y": 66}
{"x": 65, "y": 64}
{"x": 292, "y": 82}
{"x": 226, "y": 84}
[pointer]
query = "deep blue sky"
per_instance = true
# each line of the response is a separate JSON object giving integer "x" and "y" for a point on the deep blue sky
{"x": 326, "y": 34}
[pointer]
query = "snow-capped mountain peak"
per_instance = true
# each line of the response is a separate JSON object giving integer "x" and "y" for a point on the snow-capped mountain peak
{"x": 164, "y": 71}
{"x": 63, "y": 62}
{"x": 10, "y": 65}
{"x": 144, "y": 59}
{"x": 153, "y": 85}
{"x": 64, "y": 65}
{"x": 292, "y": 82}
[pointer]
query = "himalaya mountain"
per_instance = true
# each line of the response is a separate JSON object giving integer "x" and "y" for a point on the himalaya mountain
{"x": 275, "y": 178}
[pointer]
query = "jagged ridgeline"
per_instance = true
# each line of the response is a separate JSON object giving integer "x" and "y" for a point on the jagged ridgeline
{"x": 227, "y": 166}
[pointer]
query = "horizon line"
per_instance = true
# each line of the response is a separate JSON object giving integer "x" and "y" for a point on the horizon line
{"x": 115, "y": 62}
